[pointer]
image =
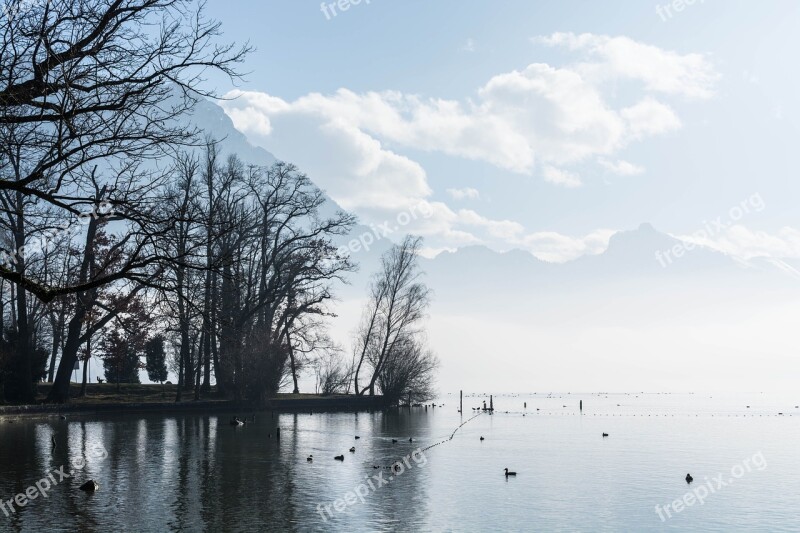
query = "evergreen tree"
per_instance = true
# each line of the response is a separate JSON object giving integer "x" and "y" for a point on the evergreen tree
{"x": 156, "y": 359}
{"x": 120, "y": 359}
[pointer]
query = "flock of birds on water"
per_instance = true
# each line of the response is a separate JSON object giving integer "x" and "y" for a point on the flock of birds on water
{"x": 92, "y": 485}
{"x": 236, "y": 421}
{"x": 395, "y": 467}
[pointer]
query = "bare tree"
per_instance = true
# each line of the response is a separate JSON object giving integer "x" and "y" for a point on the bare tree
{"x": 95, "y": 82}
{"x": 92, "y": 93}
{"x": 333, "y": 376}
{"x": 408, "y": 372}
{"x": 388, "y": 342}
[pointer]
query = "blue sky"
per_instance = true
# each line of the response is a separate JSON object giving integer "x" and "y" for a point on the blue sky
{"x": 553, "y": 124}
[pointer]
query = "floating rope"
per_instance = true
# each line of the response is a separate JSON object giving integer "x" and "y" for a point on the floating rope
{"x": 452, "y": 434}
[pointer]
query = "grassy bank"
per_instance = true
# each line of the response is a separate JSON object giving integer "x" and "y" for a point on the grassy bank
{"x": 107, "y": 393}
{"x": 105, "y": 398}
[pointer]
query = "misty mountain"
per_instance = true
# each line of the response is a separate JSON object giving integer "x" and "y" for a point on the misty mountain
{"x": 211, "y": 118}
{"x": 642, "y": 263}
{"x": 642, "y": 301}
{"x": 639, "y": 265}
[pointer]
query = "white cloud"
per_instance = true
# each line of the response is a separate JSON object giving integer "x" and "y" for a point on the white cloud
{"x": 689, "y": 75}
{"x": 649, "y": 117}
{"x": 558, "y": 248}
{"x": 505, "y": 230}
{"x": 540, "y": 120}
{"x": 561, "y": 177}
{"x": 542, "y": 114}
{"x": 467, "y": 193}
{"x": 744, "y": 243}
{"x": 620, "y": 167}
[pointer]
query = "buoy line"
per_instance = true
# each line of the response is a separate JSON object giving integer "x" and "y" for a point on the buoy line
{"x": 452, "y": 434}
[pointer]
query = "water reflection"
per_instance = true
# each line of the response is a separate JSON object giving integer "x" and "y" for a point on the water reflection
{"x": 197, "y": 473}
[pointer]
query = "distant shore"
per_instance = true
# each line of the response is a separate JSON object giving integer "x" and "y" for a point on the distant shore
{"x": 104, "y": 399}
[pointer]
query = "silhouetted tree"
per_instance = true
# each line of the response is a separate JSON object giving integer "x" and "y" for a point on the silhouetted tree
{"x": 389, "y": 342}
{"x": 123, "y": 342}
{"x": 156, "y": 359}
{"x": 91, "y": 91}
{"x": 121, "y": 361}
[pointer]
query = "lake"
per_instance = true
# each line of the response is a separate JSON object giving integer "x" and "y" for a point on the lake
{"x": 198, "y": 473}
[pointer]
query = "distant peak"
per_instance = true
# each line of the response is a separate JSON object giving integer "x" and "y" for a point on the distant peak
{"x": 646, "y": 227}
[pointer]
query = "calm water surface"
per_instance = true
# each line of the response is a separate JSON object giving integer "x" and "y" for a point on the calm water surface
{"x": 197, "y": 473}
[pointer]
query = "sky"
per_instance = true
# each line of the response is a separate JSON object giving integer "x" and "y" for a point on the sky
{"x": 548, "y": 127}
{"x": 544, "y": 126}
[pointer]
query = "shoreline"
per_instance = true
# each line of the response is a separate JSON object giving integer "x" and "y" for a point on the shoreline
{"x": 281, "y": 403}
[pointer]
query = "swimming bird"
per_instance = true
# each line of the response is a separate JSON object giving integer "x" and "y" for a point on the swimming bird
{"x": 481, "y": 439}
{"x": 62, "y": 417}
{"x": 90, "y": 486}
{"x": 510, "y": 473}
{"x": 236, "y": 422}
{"x": 689, "y": 478}
{"x": 394, "y": 441}
{"x": 353, "y": 449}
{"x": 605, "y": 434}
{"x": 339, "y": 458}
{"x": 410, "y": 439}
{"x": 357, "y": 437}
{"x": 310, "y": 458}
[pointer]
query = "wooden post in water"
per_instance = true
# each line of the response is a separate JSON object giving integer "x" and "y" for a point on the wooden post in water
{"x": 461, "y": 401}
{"x": 581, "y": 406}
{"x": 278, "y": 433}
{"x": 491, "y": 403}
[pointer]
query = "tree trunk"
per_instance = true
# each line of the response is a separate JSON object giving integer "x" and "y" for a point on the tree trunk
{"x": 82, "y": 393}
{"x": 181, "y": 359}
{"x": 188, "y": 369}
{"x": 27, "y": 390}
{"x": 199, "y": 366}
{"x": 58, "y": 332}
{"x": 292, "y": 363}
{"x": 59, "y": 392}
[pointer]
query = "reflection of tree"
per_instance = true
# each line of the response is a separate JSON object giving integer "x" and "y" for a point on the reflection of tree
{"x": 18, "y": 462}
{"x": 87, "y": 516}
{"x": 251, "y": 487}
{"x": 402, "y": 502}
{"x": 196, "y": 473}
